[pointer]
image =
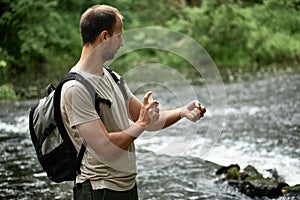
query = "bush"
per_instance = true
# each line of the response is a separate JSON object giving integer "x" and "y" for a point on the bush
{"x": 37, "y": 38}
{"x": 239, "y": 34}
{"x": 7, "y": 93}
{"x": 41, "y": 39}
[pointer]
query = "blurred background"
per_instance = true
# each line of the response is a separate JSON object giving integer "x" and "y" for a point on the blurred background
{"x": 255, "y": 45}
{"x": 40, "y": 40}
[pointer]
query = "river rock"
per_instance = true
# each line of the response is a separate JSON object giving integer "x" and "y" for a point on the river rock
{"x": 292, "y": 192}
{"x": 252, "y": 183}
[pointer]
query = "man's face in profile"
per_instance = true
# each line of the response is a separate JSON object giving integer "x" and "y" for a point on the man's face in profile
{"x": 115, "y": 42}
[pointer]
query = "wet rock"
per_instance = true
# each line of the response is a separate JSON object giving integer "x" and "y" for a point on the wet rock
{"x": 291, "y": 192}
{"x": 233, "y": 173}
{"x": 263, "y": 187}
{"x": 251, "y": 173}
{"x": 252, "y": 183}
{"x": 292, "y": 189}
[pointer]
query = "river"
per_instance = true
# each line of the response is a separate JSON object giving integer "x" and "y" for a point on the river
{"x": 261, "y": 128}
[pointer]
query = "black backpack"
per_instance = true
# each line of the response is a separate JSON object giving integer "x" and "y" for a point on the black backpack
{"x": 55, "y": 150}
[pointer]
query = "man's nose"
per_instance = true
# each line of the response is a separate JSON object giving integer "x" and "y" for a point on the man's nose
{"x": 120, "y": 41}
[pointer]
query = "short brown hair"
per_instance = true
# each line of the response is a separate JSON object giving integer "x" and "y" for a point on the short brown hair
{"x": 97, "y": 19}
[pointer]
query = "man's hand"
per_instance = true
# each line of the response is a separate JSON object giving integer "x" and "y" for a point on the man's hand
{"x": 149, "y": 112}
{"x": 193, "y": 111}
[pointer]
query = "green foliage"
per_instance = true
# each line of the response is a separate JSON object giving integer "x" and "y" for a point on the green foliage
{"x": 34, "y": 36}
{"x": 7, "y": 93}
{"x": 40, "y": 40}
{"x": 238, "y": 34}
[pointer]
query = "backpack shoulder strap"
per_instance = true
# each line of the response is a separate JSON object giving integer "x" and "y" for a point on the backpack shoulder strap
{"x": 57, "y": 111}
{"x": 81, "y": 79}
{"x": 113, "y": 75}
{"x": 57, "y": 98}
{"x": 119, "y": 81}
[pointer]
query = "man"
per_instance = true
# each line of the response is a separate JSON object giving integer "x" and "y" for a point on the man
{"x": 108, "y": 168}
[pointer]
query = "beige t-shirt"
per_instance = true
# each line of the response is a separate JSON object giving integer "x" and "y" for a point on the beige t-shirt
{"x": 77, "y": 106}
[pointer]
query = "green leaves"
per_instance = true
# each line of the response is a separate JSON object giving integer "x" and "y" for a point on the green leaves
{"x": 7, "y": 93}
{"x": 239, "y": 34}
{"x": 38, "y": 37}
{"x": 32, "y": 30}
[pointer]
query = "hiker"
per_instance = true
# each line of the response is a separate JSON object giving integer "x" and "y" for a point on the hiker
{"x": 108, "y": 167}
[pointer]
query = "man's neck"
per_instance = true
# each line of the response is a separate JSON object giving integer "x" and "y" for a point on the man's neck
{"x": 90, "y": 62}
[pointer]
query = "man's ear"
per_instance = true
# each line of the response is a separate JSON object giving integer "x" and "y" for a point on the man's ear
{"x": 103, "y": 36}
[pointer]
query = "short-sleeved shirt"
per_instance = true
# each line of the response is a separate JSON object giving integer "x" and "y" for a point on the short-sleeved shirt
{"x": 77, "y": 106}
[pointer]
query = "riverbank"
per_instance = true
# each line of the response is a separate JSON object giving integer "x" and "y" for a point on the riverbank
{"x": 22, "y": 91}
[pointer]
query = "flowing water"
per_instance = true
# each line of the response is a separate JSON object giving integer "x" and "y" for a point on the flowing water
{"x": 261, "y": 128}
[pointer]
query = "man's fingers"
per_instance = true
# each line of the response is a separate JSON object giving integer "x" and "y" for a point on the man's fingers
{"x": 153, "y": 103}
{"x": 202, "y": 109}
{"x": 147, "y": 97}
{"x": 198, "y": 113}
{"x": 154, "y": 114}
{"x": 194, "y": 111}
{"x": 149, "y": 102}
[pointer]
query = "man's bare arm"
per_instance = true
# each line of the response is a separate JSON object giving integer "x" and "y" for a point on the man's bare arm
{"x": 106, "y": 144}
{"x": 193, "y": 111}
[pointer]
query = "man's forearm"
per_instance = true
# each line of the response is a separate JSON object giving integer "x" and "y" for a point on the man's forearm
{"x": 166, "y": 119}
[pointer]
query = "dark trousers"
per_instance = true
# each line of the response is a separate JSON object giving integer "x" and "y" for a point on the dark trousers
{"x": 84, "y": 191}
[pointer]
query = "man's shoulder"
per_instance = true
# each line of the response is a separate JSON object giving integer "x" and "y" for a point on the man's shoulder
{"x": 73, "y": 85}
{"x": 73, "y": 89}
